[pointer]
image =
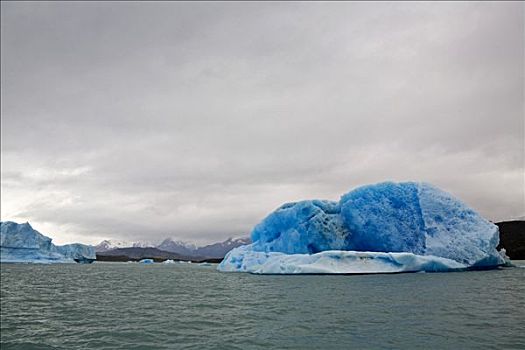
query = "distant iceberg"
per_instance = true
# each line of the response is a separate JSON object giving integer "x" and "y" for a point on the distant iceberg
{"x": 383, "y": 228}
{"x": 21, "y": 243}
{"x": 146, "y": 261}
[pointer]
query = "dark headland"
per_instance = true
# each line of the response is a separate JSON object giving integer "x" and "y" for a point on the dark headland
{"x": 512, "y": 238}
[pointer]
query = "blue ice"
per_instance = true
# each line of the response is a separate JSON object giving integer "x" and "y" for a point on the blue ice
{"x": 21, "y": 243}
{"x": 418, "y": 226}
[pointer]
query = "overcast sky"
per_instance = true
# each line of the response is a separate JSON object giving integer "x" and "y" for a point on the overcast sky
{"x": 195, "y": 120}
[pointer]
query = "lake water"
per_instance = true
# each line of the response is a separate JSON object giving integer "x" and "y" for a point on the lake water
{"x": 181, "y": 306}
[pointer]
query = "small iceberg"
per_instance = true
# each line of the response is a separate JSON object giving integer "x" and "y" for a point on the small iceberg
{"x": 382, "y": 228}
{"x": 146, "y": 261}
{"x": 169, "y": 261}
{"x": 20, "y": 243}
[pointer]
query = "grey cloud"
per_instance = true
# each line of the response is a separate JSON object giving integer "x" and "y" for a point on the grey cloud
{"x": 196, "y": 119}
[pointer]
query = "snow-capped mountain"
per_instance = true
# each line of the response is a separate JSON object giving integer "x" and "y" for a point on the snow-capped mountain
{"x": 215, "y": 250}
{"x": 114, "y": 244}
{"x": 219, "y": 250}
{"x": 179, "y": 247}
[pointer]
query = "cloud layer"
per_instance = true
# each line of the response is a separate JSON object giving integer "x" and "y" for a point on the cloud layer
{"x": 194, "y": 120}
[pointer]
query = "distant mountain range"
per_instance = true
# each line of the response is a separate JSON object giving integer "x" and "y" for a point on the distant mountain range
{"x": 180, "y": 248}
{"x": 113, "y": 244}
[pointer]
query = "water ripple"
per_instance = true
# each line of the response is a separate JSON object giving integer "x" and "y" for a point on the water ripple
{"x": 134, "y": 306}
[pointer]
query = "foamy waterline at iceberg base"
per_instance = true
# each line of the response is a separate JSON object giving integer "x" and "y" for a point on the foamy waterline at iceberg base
{"x": 383, "y": 228}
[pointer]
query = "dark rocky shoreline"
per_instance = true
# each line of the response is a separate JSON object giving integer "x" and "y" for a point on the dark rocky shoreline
{"x": 123, "y": 258}
{"x": 512, "y": 238}
{"x": 157, "y": 255}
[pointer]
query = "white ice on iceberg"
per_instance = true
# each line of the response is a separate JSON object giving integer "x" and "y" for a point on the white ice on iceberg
{"x": 244, "y": 259}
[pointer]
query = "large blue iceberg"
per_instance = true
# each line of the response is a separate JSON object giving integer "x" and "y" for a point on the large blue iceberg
{"x": 383, "y": 228}
{"x": 21, "y": 243}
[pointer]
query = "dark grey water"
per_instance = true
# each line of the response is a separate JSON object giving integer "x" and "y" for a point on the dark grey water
{"x": 134, "y": 306}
